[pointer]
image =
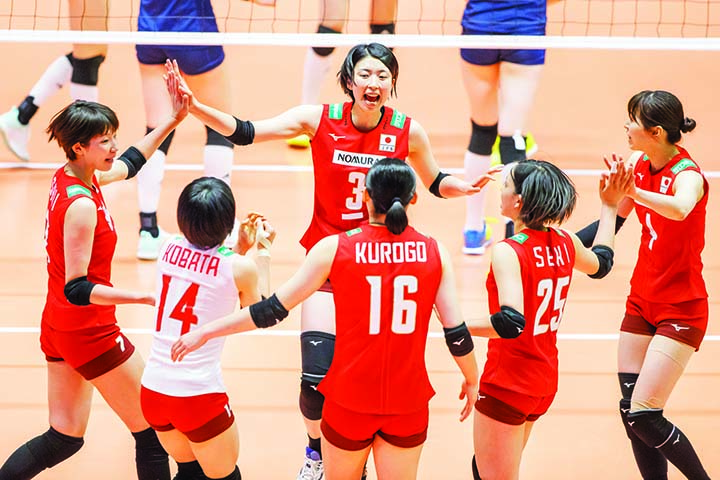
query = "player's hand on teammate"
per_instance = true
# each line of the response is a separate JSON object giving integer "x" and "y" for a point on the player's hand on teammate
{"x": 187, "y": 343}
{"x": 481, "y": 181}
{"x": 617, "y": 181}
{"x": 468, "y": 392}
{"x": 180, "y": 101}
{"x": 147, "y": 299}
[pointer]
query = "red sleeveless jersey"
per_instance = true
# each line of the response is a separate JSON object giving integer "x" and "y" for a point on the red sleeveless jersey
{"x": 342, "y": 156}
{"x": 59, "y": 313}
{"x": 669, "y": 267}
{"x": 528, "y": 364}
{"x": 384, "y": 287}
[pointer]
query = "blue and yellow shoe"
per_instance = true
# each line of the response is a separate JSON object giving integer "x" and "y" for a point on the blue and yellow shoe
{"x": 476, "y": 241}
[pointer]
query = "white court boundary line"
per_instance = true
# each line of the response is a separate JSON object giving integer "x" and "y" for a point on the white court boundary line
{"x": 283, "y": 168}
{"x": 296, "y": 333}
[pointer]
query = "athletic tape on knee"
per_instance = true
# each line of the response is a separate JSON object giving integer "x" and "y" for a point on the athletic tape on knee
{"x": 324, "y": 51}
{"x": 482, "y": 138}
{"x": 85, "y": 70}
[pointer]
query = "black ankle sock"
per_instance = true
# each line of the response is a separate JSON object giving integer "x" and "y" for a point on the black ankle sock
{"x": 26, "y": 110}
{"x": 148, "y": 223}
{"x": 315, "y": 444}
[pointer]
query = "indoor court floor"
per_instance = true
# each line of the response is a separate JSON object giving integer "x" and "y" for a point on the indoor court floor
{"x": 578, "y": 118}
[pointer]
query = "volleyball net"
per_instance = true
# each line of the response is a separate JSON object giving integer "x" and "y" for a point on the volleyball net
{"x": 609, "y": 24}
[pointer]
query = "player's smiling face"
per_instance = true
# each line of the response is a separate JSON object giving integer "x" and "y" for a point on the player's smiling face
{"x": 372, "y": 83}
{"x": 101, "y": 151}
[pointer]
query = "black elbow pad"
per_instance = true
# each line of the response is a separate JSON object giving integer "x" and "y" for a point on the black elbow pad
{"x": 605, "y": 257}
{"x": 435, "y": 187}
{"x": 134, "y": 159}
{"x": 267, "y": 313}
{"x": 508, "y": 322}
{"x": 77, "y": 291}
{"x": 244, "y": 133}
{"x": 458, "y": 340}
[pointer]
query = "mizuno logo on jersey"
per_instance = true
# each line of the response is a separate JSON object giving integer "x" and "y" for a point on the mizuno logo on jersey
{"x": 387, "y": 143}
{"x": 336, "y": 137}
{"x": 352, "y": 159}
{"x": 679, "y": 327}
{"x": 639, "y": 175}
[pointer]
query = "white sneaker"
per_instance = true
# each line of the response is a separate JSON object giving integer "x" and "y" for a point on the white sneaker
{"x": 15, "y": 134}
{"x": 148, "y": 246}
{"x": 313, "y": 468}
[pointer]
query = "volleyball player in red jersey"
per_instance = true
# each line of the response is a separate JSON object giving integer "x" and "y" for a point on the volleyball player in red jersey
{"x": 666, "y": 313}
{"x": 79, "y": 335}
{"x": 530, "y": 274}
{"x": 346, "y": 140}
{"x": 386, "y": 278}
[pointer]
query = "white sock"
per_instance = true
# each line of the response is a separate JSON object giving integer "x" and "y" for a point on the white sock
{"x": 475, "y": 166}
{"x": 149, "y": 182}
{"x": 316, "y": 69}
{"x": 84, "y": 92}
{"x": 218, "y": 162}
{"x": 56, "y": 75}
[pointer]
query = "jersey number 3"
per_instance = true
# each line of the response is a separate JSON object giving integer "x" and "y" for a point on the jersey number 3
{"x": 183, "y": 310}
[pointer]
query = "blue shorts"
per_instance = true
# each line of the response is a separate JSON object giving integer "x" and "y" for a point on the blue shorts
{"x": 193, "y": 60}
{"x": 491, "y": 56}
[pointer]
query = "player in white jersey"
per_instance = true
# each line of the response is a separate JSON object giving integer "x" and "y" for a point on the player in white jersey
{"x": 199, "y": 280}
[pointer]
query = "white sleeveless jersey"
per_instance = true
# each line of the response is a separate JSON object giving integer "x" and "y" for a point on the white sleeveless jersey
{"x": 194, "y": 287}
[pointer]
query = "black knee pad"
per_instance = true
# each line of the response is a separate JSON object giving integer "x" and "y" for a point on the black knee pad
{"x": 85, "y": 71}
{"x": 189, "y": 471}
{"x": 53, "y": 447}
{"x": 165, "y": 145}
{"x": 311, "y": 401}
{"x": 476, "y": 474}
{"x": 214, "y": 138}
{"x": 508, "y": 152}
{"x": 317, "y": 350}
{"x": 235, "y": 475}
{"x": 380, "y": 28}
{"x": 482, "y": 138}
{"x": 650, "y": 426}
{"x": 324, "y": 51}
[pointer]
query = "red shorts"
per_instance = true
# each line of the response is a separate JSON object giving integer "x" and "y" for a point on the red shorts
{"x": 91, "y": 351}
{"x": 510, "y": 407}
{"x": 685, "y": 322}
{"x": 199, "y": 418}
{"x": 355, "y": 431}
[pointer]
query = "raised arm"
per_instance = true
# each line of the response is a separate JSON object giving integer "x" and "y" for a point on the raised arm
{"x": 133, "y": 159}
{"x": 303, "y": 119}
{"x": 613, "y": 186}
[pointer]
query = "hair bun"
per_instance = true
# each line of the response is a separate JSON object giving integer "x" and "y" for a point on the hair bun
{"x": 688, "y": 125}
